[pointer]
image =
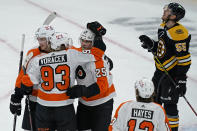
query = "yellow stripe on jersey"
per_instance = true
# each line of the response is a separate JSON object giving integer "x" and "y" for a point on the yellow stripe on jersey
{"x": 176, "y": 125}
{"x": 185, "y": 64}
{"x": 169, "y": 60}
{"x": 168, "y": 64}
{"x": 184, "y": 60}
{"x": 183, "y": 57}
{"x": 178, "y": 33}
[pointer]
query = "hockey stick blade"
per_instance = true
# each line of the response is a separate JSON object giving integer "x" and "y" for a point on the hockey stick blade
{"x": 50, "y": 18}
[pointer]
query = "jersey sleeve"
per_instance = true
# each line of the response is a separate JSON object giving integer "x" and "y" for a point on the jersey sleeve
{"x": 33, "y": 70}
{"x": 100, "y": 71}
{"x": 30, "y": 54}
{"x": 118, "y": 123}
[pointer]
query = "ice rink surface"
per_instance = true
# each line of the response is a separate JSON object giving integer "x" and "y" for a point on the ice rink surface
{"x": 124, "y": 20}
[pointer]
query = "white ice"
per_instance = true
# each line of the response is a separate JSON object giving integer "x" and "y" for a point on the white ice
{"x": 125, "y": 20}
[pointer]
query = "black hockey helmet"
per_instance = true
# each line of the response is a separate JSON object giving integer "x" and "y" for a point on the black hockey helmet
{"x": 177, "y": 10}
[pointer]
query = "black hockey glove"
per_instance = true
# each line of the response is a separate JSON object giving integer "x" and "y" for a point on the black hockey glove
{"x": 76, "y": 91}
{"x": 181, "y": 85}
{"x": 27, "y": 90}
{"x": 147, "y": 43}
{"x": 81, "y": 90}
{"x": 109, "y": 62}
{"x": 96, "y": 28}
{"x": 99, "y": 43}
{"x": 26, "y": 85}
{"x": 15, "y": 104}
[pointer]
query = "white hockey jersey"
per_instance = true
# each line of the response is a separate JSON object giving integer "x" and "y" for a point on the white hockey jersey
{"x": 139, "y": 116}
{"x": 97, "y": 71}
{"x": 55, "y": 72}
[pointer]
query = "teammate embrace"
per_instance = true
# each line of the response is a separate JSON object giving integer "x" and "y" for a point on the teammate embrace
{"x": 48, "y": 78}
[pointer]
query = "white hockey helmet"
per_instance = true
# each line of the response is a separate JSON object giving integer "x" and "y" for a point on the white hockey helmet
{"x": 144, "y": 87}
{"x": 59, "y": 39}
{"x": 87, "y": 35}
{"x": 45, "y": 31}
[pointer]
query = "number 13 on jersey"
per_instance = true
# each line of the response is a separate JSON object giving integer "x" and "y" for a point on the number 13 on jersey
{"x": 48, "y": 76}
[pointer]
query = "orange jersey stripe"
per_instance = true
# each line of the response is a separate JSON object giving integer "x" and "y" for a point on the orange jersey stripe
{"x": 52, "y": 97}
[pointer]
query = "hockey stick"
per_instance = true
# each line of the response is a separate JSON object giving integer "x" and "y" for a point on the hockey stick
{"x": 20, "y": 65}
{"x": 50, "y": 18}
{"x": 172, "y": 80}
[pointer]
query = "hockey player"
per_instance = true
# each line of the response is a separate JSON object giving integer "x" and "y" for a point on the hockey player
{"x": 54, "y": 73}
{"x": 94, "y": 110}
{"x": 43, "y": 35}
{"x": 171, "y": 52}
{"x": 142, "y": 114}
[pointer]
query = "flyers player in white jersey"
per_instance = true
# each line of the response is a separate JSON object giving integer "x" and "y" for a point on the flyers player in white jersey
{"x": 141, "y": 115}
{"x": 95, "y": 89}
{"x": 42, "y": 35}
{"x": 54, "y": 73}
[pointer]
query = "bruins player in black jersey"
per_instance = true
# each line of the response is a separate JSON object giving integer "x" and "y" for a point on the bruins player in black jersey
{"x": 171, "y": 52}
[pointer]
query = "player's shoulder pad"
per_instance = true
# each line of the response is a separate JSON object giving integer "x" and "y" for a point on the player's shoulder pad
{"x": 35, "y": 51}
{"x": 162, "y": 25}
{"x": 178, "y": 33}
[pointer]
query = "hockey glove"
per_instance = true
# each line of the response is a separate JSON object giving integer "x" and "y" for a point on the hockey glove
{"x": 76, "y": 91}
{"x": 109, "y": 62}
{"x": 181, "y": 86}
{"x": 15, "y": 104}
{"x": 99, "y": 43}
{"x": 26, "y": 85}
{"x": 81, "y": 90}
{"x": 147, "y": 43}
{"x": 96, "y": 28}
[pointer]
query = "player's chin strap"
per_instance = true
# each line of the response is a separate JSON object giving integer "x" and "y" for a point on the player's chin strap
{"x": 166, "y": 72}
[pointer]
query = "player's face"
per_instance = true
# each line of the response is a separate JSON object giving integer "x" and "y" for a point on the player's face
{"x": 166, "y": 13}
{"x": 43, "y": 43}
{"x": 86, "y": 44}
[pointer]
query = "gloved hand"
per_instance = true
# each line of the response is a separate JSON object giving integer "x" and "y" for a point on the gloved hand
{"x": 15, "y": 104}
{"x": 76, "y": 91}
{"x": 181, "y": 86}
{"x": 26, "y": 85}
{"x": 96, "y": 28}
{"x": 147, "y": 43}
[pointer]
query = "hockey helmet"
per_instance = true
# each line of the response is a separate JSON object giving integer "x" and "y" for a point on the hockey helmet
{"x": 144, "y": 87}
{"x": 87, "y": 35}
{"x": 177, "y": 9}
{"x": 59, "y": 39}
{"x": 45, "y": 31}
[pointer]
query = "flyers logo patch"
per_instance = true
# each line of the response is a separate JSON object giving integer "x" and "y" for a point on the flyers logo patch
{"x": 80, "y": 73}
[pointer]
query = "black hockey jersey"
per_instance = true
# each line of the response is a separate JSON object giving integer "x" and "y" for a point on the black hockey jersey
{"x": 172, "y": 49}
